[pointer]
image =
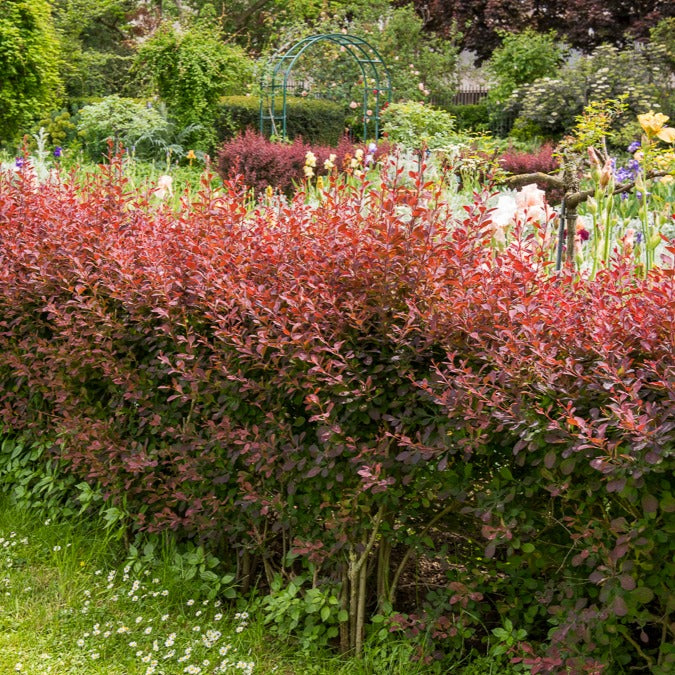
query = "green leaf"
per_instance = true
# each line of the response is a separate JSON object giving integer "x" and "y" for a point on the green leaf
{"x": 325, "y": 613}
{"x": 642, "y": 594}
{"x": 343, "y": 616}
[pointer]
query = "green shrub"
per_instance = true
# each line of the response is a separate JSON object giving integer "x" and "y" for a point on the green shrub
{"x": 316, "y": 121}
{"x": 29, "y": 55}
{"x": 469, "y": 116}
{"x": 120, "y": 119}
{"x": 415, "y": 125}
{"x": 191, "y": 68}
{"x": 640, "y": 77}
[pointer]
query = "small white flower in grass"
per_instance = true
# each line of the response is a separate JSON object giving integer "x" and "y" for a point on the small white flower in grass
{"x": 122, "y": 629}
{"x": 80, "y": 643}
{"x": 56, "y": 548}
{"x": 205, "y": 603}
{"x": 165, "y": 617}
{"x": 148, "y": 630}
{"x": 107, "y": 634}
{"x": 139, "y": 619}
{"x": 198, "y": 612}
{"x": 18, "y": 667}
{"x": 206, "y": 663}
{"x": 196, "y": 629}
{"x": 134, "y": 599}
{"x": 155, "y": 646}
{"x": 224, "y": 649}
{"x": 190, "y": 602}
{"x": 94, "y": 656}
{"x": 239, "y": 629}
{"x": 216, "y": 603}
{"x": 218, "y": 617}
{"x": 155, "y": 580}
{"x": 165, "y": 592}
{"x": 98, "y": 573}
{"x": 133, "y": 643}
{"x": 146, "y": 658}
{"x": 192, "y": 670}
{"x": 170, "y": 654}
{"x": 139, "y": 653}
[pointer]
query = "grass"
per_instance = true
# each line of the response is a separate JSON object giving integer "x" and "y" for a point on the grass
{"x": 70, "y": 603}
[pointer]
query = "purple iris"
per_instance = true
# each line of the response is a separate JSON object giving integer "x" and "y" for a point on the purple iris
{"x": 633, "y": 146}
{"x": 638, "y": 237}
{"x": 20, "y": 161}
{"x": 58, "y": 151}
{"x": 627, "y": 173}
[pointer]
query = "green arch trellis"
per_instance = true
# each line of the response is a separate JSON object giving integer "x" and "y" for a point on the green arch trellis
{"x": 274, "y": 81}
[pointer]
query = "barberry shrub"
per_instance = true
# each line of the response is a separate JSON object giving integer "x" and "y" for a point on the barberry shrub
{"x": 359, "y": 387}
{"x": 262, "y": 162}
{"x": 541, "y": 160}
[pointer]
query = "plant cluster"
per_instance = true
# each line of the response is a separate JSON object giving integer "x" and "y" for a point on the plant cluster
{"x": 543, "y": 160}
{"x": 353, "y": 390}
{"x": 191, "y": 69}
{"x": 549, "y": 105}
{"x": 29, "y": 63}
{"x": 262, "y": 162}
{"x": 417, "y": 126}
{"x": 316, "y": 121}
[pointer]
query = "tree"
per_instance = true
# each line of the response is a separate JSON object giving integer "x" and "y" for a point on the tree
{"x": 523, "y": 58}
{"x": 585, "y": 24}
{"x": 29, "y": 65}
{"x": 96, "y": 36}
{"x": 191, "y": 68}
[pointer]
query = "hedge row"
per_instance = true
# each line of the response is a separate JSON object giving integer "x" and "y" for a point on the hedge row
{"x": 316, "y": 121}
{"x": 364, "y": 385}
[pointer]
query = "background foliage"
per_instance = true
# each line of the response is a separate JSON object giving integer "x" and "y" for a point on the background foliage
{"x": 29, "y": 62}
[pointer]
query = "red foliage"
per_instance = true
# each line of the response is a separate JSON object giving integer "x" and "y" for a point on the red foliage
{"x": 542, "y": 160}
{"x": 262, "y": 162}
{"x": 298, "y": 372}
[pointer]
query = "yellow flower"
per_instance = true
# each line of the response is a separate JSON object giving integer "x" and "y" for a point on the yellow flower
{"x": 191, "y": 154}
{"x": 654, "y": 125}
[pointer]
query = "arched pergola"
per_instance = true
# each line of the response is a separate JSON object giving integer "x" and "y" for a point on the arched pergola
{"x": 275, "y": 80}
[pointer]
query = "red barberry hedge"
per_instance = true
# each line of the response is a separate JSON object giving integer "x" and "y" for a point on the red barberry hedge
{"x": 367, "y": 385}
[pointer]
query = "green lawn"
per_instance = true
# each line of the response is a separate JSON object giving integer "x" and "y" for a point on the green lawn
{"x": 70, "y": 605}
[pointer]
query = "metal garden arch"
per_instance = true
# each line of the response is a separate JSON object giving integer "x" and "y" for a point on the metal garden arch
{"x": 275, "y": 79}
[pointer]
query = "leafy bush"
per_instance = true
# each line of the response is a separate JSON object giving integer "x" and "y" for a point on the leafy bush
{"x": 416, "y": 125}
{"x": 638, "y": 76}
{"x": 192, "y": 68}
{"x": 472, "y": 116}
{"x": 262, "y": 162}
{"x": 358, "y": 385}
{"x": 29, "y": 61}
{"x": 315, "y": 121}
{"x": 120, "y": 119}
{"x": 542, "y": 160}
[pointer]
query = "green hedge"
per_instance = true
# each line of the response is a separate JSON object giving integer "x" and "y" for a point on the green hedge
{"x": 316, "y": 121}
{"x": 470, "y": 116}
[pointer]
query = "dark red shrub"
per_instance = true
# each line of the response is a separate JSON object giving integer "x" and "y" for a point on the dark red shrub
{"x": 262, "y": 162}
{"x": 363, "y": 378}
{"x": 543, "y": 160}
